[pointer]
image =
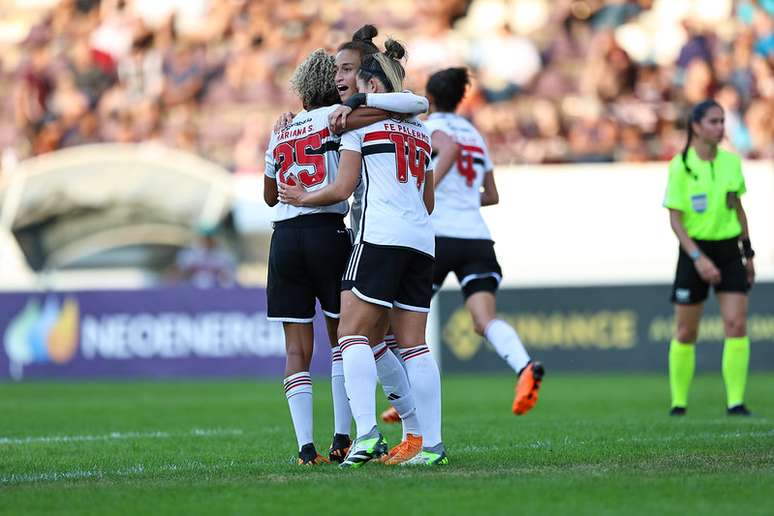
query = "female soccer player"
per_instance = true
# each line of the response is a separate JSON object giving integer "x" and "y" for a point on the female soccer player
{"x": 309, "y": 246}
{"x": 464, "y": 182}
{"x": 705, "y": 211}
{"x": 390, "y": 266}
{"x": 393, "y": 377}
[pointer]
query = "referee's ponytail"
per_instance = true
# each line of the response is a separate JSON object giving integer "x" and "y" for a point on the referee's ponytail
{"x": 697, "y": 115}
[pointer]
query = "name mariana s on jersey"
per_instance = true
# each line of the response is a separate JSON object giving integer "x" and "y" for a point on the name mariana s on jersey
{"x": 296, "y": 129}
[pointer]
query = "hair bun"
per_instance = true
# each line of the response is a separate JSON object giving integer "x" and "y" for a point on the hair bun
{"x": 365, "y": 33}
{"x": 393, "y": 49}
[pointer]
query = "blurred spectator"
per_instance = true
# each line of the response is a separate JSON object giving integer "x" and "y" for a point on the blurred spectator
{"x": 205, "y": 264}
{"x": 505, "y": 63}
{"x": 554, "y": 80}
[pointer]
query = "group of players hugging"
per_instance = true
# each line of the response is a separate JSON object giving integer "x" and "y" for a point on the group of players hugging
{"x": 417, "y": 188}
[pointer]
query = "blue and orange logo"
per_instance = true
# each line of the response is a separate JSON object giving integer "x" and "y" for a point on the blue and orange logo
{"x": 40, "y": 334}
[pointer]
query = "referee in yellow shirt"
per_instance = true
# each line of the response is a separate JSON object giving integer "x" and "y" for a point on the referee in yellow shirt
{"x": 705, "y": 211}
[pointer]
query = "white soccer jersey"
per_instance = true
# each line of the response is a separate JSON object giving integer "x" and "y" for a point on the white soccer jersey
{"x": 308, "y": 150}
{"x": 396, "y": 157}
{"x": 457, "y": 211}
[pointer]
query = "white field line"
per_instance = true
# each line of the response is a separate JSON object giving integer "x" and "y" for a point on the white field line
{"x": 115, "y": 436}
{"x": 704, "y": 436}
{"x": 136, "y": 470}
{"x": 195, "y": 466}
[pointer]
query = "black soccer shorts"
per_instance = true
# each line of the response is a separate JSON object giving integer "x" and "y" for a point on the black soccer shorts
{"x": 306, "y": 260}
{"x": 397, "y": 277}
{"x": 473, "y": 261}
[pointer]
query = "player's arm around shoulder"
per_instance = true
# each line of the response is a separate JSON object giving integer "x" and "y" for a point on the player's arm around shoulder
{"x": 362, "y": 109}
{"x": 405, "y": 102}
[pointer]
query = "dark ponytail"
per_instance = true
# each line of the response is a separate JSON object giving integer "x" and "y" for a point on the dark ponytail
{"x": 447, "y": 88}
{"x": 697, "y": 115}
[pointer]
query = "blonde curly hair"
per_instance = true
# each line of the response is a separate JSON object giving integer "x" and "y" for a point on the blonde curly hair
{"x": 313, "y": 80}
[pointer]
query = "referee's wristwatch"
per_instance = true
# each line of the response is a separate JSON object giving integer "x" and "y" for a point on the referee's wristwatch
{"x": 695, "y": 254}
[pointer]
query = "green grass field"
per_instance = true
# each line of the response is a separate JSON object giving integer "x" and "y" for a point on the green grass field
{"x": 597, "y": 444}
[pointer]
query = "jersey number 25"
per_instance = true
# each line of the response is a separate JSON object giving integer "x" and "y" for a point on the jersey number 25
{"x": 296, "y": 152}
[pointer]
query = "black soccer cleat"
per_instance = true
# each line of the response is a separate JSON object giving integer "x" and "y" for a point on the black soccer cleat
{"x": 677, "y": 411}
{"x": 339, "y": 447}
{"x": 308, "y": 456}
{"x": 738, "y": 410}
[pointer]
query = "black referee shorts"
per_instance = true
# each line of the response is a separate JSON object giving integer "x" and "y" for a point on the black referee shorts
{"x": 306, "y": 260}
{"x": 690, "y": 289}
{"x": 473, "y": 261}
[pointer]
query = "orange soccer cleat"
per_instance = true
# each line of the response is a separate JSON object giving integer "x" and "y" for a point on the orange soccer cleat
{"x": 319, "y": 459}
{"x": 405, "y": 451}
{"x": 527, "y": 388}
{"x": 391, "y": 416}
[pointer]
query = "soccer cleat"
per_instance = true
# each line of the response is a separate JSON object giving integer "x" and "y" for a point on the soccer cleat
{"x": 530, "y": 379}
{"x": 405, "y": 451}
{"x": 738, "y": 410}
{"x": 370, "y": 446}
{"x": 677, "y": 411}
{"x": 391, "y": 416}
{"x": 435, "y": 456}
{"x": 339, "y": 447}
{"x": 308, "y": 456}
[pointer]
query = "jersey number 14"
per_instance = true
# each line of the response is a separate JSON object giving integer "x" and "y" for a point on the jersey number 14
{"x": 408, "y": 158}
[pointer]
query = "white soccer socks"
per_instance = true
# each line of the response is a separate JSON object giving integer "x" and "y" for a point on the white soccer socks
{"x": 360, "y": 381}
{"x": 507, "y": 344}
{"x": 342, "y": 415}
{"x": 393, "y": 345}
{"x": 425, "y": 383}
{"x": 396, "y": 387}
{"x": 298, "y": 391}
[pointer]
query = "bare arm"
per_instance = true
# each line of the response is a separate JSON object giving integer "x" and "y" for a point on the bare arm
{"x": 270, "y": 191}
{"x": 704, "y": 266}
{"x": 364, "y": 116}
{"x": 448, "y": 152}
{"x": 489, "y": 196}
{"x": 340, "y": 190}
{"x": 748, "y": 262}
{"x": 428, "y": 196}
{"x": 742, "y": 215}
{"x": 344, "y": 118}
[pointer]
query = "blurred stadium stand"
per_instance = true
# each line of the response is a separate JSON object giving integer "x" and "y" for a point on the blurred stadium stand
{"x": 556, "y": 82}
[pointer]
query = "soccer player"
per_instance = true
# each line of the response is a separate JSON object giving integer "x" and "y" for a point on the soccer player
{"x": 391, "y": 264}
{"x": 703, "y": 196}
{"x": 464, "y": 182}
{"x": 391, "y": 372}
{"x": 309, "y": 246}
